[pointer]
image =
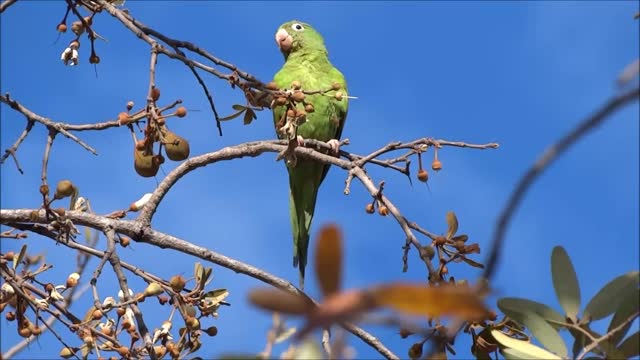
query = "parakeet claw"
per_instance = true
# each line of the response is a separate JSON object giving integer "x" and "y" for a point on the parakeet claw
{"x": 335, "y": 146}
{"x": 300, "y": 140}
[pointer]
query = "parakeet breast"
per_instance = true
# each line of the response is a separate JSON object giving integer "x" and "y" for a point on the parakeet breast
{"x": 323, "y": 123}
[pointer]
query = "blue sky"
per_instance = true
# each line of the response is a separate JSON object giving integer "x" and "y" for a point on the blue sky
{"x": 519, "y": 73}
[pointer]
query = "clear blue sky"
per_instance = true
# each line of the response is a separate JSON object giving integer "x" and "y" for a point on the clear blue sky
{"x": 519, "y": 73}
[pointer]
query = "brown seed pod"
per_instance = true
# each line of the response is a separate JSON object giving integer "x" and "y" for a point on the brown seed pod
{"x": 291, "y": 113}
{"x": 177, "y": 283}
{"x": 155, "y": 94}
{"x": 309, "y": 108}
{"x": 88, "y": 20}
{"x": 436, "y": 165}
{"x": 272, "y": 86}
{"x": 176, "y": 147}
{"x": 336, "y": 86}
{"x": 212, "y": 331}
{"x": 415, "y": 351}
{"x": 97, "y": 314}
{"x": 338, "y": 95}
{"x": 25, "y": 332}
{"x": 141, "y": 145}
{"x": 124, "y": 241}
{"x": 123, "y": 118}
{"x": 295, "y": 85}
{"x": 123, "y": 351}
{"x": 281, "y": 100}
{"x": 423, "y": 175}
{"x": 382, "y": 210}
{"x": 44, "y": 189}
{"x": 144, "y": 164}
{"x": 370, "y": 209}
{"x": 181, "y": 111}
{"x": 10, "y": 316}
{"x": 94, "y": 59}
{"x": 64, "y": 188}
{"x": 77, "y": 27}
{"x": 62, "y": 27}
{"x": 158, "y": 159}
{"x": 298, "y": 96}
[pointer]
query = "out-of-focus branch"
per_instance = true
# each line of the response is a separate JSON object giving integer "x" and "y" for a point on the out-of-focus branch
{"x": 5, "y": 5}
{"x": 544, "y": 161}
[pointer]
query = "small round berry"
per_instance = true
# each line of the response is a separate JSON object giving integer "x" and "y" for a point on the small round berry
{"x": 155, "y": 94}
{"x": 295, "y": 85}
{"x": 383, "y": 210}
{"x": 181, "y": 111}
{"x": 62, "y": 27}
{"x": 370, "y": 208}
{"x": 436, "y": 165}
{"x": 272, "y": 86}
{"x": 423, "y": 175}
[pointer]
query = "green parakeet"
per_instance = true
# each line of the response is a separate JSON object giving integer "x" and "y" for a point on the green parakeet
{"x": 307, "y": 61}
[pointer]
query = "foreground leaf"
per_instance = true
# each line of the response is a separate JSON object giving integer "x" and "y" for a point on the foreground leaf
{"x": 522, "y": 349}
{"x": 545, "y": 333}
{"x": 280, "y": 301}
{"x": 329, "y": 260}
{"x": 628, "y": 307}
{"x": 516, "y": 307}
{"x": 607, "y": 300}
{"x": 630, "y": 347}
{"x": 565, "y": 282}
{"x": 431, "y": 301}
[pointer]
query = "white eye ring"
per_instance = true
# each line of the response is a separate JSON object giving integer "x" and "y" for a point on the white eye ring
{"x": 297, "y": 27}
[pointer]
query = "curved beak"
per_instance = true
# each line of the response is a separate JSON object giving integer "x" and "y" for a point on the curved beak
{"x": 284, "y": 40}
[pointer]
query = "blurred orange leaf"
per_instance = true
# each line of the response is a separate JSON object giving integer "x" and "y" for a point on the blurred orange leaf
{"x": 431, "y": 301}
{"x": 329, "y": 260}
{"x": 280, "y": 301}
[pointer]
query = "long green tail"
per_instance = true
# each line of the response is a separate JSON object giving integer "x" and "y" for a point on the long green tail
{"x": 304, "y": 182}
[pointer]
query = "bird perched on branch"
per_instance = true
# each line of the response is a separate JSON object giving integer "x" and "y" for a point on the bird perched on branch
{"x": 319, "y": 116}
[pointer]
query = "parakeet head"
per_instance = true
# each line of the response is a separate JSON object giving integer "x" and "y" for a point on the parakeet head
{"x": 295, "y": 36}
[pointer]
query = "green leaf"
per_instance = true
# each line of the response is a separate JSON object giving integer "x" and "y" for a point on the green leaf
{"x": 521, "y": 348}
{"x": 628, "y": 307}
{"x": 607, "y": 300}
{"x": 18, "y": 259}
{"x": 545, "y": 333}
{"x": 515, "y": 307}
{"x": 565, "y": 282}
{"x": 630, "y": 347}
{"x": 452, "y": 222}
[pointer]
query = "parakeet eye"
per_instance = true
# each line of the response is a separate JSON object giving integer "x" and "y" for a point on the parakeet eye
{"x": 297, "y": 27}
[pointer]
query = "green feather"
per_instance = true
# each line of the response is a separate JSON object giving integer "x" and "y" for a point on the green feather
{"x": 307, "y": 62}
